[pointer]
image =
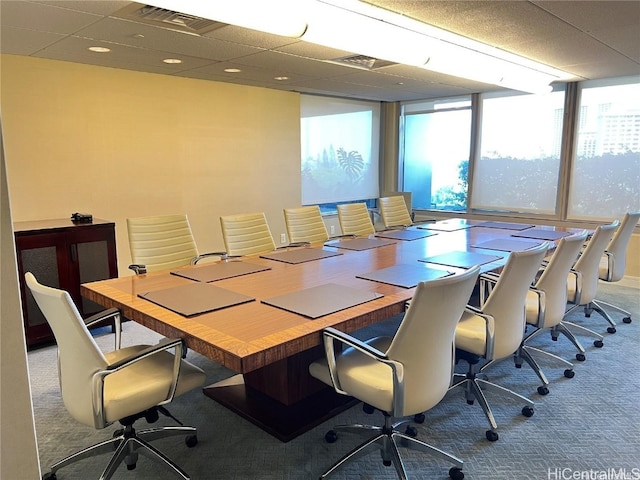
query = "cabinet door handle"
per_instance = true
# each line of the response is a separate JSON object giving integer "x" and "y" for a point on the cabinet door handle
{"x": 74, "y": 253}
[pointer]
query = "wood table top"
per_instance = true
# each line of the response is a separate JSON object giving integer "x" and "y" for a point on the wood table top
{"x": 252, "y": 335}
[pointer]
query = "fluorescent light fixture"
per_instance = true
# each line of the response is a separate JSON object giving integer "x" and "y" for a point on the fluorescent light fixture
{"x": 364, "y": 29}
{"x": 280, "y": 17}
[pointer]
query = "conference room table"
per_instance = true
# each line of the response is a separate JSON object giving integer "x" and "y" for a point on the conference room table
{"x": 268, "y": 335}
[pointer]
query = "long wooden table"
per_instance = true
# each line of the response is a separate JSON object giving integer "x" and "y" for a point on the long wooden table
{"x": 271, "y": 348}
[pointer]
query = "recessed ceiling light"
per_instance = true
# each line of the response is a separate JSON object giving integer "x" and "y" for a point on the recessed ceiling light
{"x": 100, "y": 49}
{"x": 137, "y": 35}
{"x": 281, "y": 78}
{"x": 172, "y": 60}
{"x": 232, "y": 70}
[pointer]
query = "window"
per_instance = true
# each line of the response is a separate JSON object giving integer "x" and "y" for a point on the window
{"x": 605, "y": 181}
{"x": 339, "y": 149}
{"x": 435, "y": 153}
{"x": 519, "y": 162}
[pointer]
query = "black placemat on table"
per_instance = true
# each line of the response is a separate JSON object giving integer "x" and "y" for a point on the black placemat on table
{"x": 195, "y": 298}
{"x": 447, "y": 225}
{"x": 300, "y": 255}
{"x": 507, "y": 244}
{"x": 219, "y": 271}
{"x": 405, "y": 234}
{"x": 404, "y": 275}
{"x": 541, "y": 234}
{"x": 504, "y": 225}
{"x": 359, "y": 244}
{"x": 462, "y": 259}
{"x": 321, "y": 300}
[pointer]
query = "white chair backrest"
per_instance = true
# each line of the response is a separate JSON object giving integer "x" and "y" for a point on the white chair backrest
{"x": 161, "y": 242}
{"x": 424, "y": 341}
{"x": 553, "y": 281}
{"x": 588, "y": 265}
{"x": 79, "y": 357}
{"x": 246, "y": 234}
{"x": 305, "y": 224}
{"x": 617, "y": 248}
{"x": 394, "y": 212}
{"x": 354, "y": 219}
{"x": 506, "y": 302}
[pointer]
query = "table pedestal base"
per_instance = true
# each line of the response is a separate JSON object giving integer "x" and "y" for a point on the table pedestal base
{"x": 285, "y": 422}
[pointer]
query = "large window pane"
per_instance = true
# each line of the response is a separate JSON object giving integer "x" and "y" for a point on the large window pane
{"x": 606, "y": 170}
{"x": 436, "y": 155}
{"x": 339, "y": 141}
{"x": 519, "y": 153}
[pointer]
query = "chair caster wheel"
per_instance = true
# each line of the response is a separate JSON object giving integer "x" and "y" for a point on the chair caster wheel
{"x": 611, "y": 329}
{"x": 331, "y": 436}
{"x": 581, "y": 357}
{"x": 419, "y": 418}
{"x": 518, "y": 365}
{"x": 191, "y": 441}
{"x": 366, "y": 408}
{"x": 49, "y": 476}
{"x": 411, "y": 431}
{"x": 569, "y": 373}
{"x": 528, "y": 411}
{"x": 118, "y": 432}
{"x": 598, "y": 343}
{"x": 469, "y": 402}
{"x": 491, "y": 435}
{"x": 626, "y": 319}
{"x": 131, "y": 467}
{"x": 456, "y": 473}
{"x": 543, "y": 390}
{"x": 386, "y": 463}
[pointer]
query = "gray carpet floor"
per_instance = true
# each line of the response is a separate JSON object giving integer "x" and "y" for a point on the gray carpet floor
{"x": 587, "y": 427}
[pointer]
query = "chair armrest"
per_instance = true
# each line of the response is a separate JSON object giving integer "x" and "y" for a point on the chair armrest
{"x": 222, "y": 255}
{"x": 330, "y": 335}
{"x": 489, "y": 329}
{"x": 610, "y": 261}
{"x": 100, "y": 376}
{"x": 487, "y": 281}
{"x": 106, "y": 315}
{"x": 542, "y": 305}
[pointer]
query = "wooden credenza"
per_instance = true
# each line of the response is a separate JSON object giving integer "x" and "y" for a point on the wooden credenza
{"x": 62, "y": 254}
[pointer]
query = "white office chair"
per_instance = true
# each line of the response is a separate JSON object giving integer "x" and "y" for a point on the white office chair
{"x": 246, "y": 234}
{"x": 355, "y": 219}
{"x": 403, "y": 375}
{"x": 162, "y": 242}
{"x": 546, "y": 303}
{"x": 496, "y": 329}
{"x": 123, "y": 386}
{"x": 613, "y": 266}
{"x": 582, "y": 282}
{"x": 305, "y": 225}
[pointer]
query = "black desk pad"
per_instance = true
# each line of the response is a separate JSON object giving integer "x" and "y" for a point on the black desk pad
{"x": 447, "y": 225}
{"x": 195, "y": 298}
{"x": 541, "y": 234}
{"x": 404, "y": 275}
{"x": 504, "y": 225}
{"x": 462, "y": 259}
{"x": 300, "y": 255}
{"x": 219, "y": 271}
{"x": 359, "y": 244}
{"x": 405, "y": 234}
{"x": 322, "y": 300}
{"x": 507, "y": 244}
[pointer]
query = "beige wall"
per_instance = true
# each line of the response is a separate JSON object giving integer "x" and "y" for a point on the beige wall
{"x": 118, "y": 143}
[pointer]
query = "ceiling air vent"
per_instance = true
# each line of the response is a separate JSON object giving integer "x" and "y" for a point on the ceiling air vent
{"x": 161, "y": 17}
{"x": 363, "y": 61}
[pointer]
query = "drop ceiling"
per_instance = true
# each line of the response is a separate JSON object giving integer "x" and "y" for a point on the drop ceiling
{"x": 587, "y": 39}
